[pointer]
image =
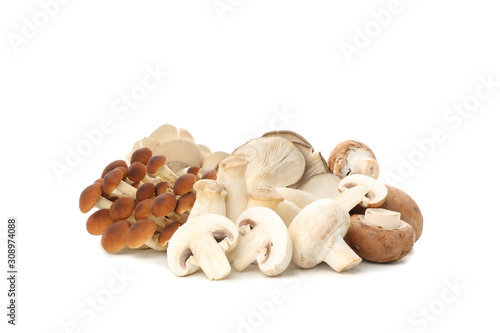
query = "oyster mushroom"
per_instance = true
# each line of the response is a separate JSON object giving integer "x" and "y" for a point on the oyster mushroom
{"x": 202, "y": 242}
{"x": 182, "y": 150}
{"x": 323, "y": 186}
{"x": 212, "y": 160}
{"x": 380, "y": 235}
{"x": 265, "y": 239}
{"x": 265, "y": 196}
{"x": 353, "y": 157}
{"x": 210, "y": 198}
{"x": 164, "y": 133}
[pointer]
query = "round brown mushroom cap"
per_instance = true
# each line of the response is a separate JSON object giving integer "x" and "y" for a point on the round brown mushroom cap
{"x": 155, "y": 163}
{"x": 111, "y": 181}
{"x": 184, "y": 184}
{"x": 89, "y": 197}
{"x": 185, "y": 203}
{"x": 399, "y": 201}
{"x": 337, "y": 161}
{"x": 374, "y": 243}
{"x": 124, "y": 172}
{"x": 139, "y": 233}
{"x": 114, "y": 237}
{"x": 136, "y": 185}
{"x": 141, "y": 155}
{"x": 163, "y": 204}
{"x": 210, "y": 174}
{"x": 168, "y": 232}
{"x": 194, "y": 169}
{"x": 113, "y": 165}
{"x": 161, "y": 188}
{"x": 136, "y": 171}
{"x": 99, "y": 221}
{"x": 143, "y": 209}
{"x": 122, "y": 208}
{"x": 145, "y": 191}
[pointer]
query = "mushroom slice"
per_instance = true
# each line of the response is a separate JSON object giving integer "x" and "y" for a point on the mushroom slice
{"x": 181, "y": 150}
{"x": 324, "y": 186}
{"x": 317, "y": 233}
{"x": 274, "y": 161}
{"x": 164, "y": 133}
{"x": 211, "y": 161}
{"x": 202, "y": 243}
{"x": 361, "y": 189}
{"x": 380, "y": 235}
{"x": 353, "y": 157}
{"x": 265, "y": 238}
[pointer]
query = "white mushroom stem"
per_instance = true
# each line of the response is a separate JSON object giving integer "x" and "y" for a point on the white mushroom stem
{"x": 231, "y": 174}
{"x": 248, "y": 250}
{"x": 166, "y": 175}
{"x": 384, "y": 218}
{"x": 362, "y": 164}
{"x": 351, "y": 197}
{"x": 210, "y": 257}
{"x": 103, "y": 203}
{"x": 340, "y": 256}
{"x": 210, "y": 198}
{"x": 153, "y": 243}
{"x": 126, "y": 189}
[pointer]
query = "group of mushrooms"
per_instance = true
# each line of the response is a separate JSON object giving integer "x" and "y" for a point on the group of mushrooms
{"x": 272, "y": 201}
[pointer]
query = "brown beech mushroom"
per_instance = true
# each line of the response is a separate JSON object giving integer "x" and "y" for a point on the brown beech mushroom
{"x": 141, "y": 155}
{"x": 114, "y": 237}
{"x": 122, "y": 208}
{"x": 184, "y": 184}
{"x": 265, "y": 196}
{"x": 142, "y": 233}
{"x": 231, "y": 174}
{"x": 113, "y": 180}
{"x": 202, "y": 242}
{"x": 136, "y": 172}
{"x": 162, "y": 187}
{"x": 353, "y": 157}
{"x": 156, "y": 168}
{"x": 163, "y": 204}
{"x": 91, "y": 197}
{"x": 143, "y": 211}
{"x": 185, "y": 203}
{"x": 99, "y": 221}
{"x": 380, "y": 235}
{"x": 317, "y": 233}
{"x": 145, "y": 191}
{"x": 167, "y": 233}
{"x": 210, "y": 174}
{"x": 113, "y": 165}
{"x": 210, "y": 198}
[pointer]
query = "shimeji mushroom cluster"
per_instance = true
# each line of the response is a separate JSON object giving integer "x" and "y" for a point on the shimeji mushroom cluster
{"x": 272, "y": 201}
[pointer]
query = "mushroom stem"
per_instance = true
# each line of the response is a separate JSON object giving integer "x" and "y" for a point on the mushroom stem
{"x": 246, "y": 252}
{"x": 153, "y": 243}
{"x": 364, "y": 165}
{"x": 384, "y": 218}
{"x": 211, "y": 258}
{"x": 103, "y": 203}
{"x": 126, "y": 189}
{"x": 167, "y": 175}
{"x": 340, "y": 256}
{"x": 231, "y": 174}
{"x": 351, "y": 197}
{"x": 210, "y": 198}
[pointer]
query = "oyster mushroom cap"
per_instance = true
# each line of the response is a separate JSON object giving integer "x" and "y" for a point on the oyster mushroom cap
{"x": 264, "y": 238}
{"x": 182, "y": 150}
{"x": 317, "y": 233}
{"x": 323, "y": 186}
{"x": 164, "y": 133}
{"x": 202, "y": 243}
{"x": 274, "y": 161}
{"x": 211, "y": 161}
{"x": 353, "y": 157}
{"x": 380, "y": 235}
{"x": 298, "y": 197}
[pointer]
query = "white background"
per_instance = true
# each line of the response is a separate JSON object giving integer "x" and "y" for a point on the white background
{"x": 228, "y": 79}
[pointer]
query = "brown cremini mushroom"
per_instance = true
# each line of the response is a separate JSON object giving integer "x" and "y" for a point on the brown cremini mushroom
{"x": 353, "y": 157}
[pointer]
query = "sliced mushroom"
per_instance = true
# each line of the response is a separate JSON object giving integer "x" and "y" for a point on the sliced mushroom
{"x": 353, "y": 157}
{"x": 361, "y": 189}
{"x": 182, "y": 150}
{"x": 232, "y": 171}
{"x": 323, "y": 186}
{"x": 265, "y": 238}
{"x": 274, "y": 161}
{"x": 202, "y": 243}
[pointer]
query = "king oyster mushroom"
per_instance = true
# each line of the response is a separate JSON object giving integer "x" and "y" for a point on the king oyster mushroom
{"x": 274, "y": 161}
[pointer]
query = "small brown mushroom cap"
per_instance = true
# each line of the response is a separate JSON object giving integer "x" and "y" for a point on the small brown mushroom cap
{"x": 185, "y": 202}
{"x": 111, "y": 181}
{"x": 168, "y": 232}
{"x": 89, "y": 197}
{"x": 139, "y": 233}
{"x": 194, "y": 169}
{"x": 113, "y": 165}
{"x": 155, "y": 163}
{"x": 136, "y": 185}
{"x": 145, "y": 191}
{"x": 114, "y": 237}
{"x": 143, "y": 209}
{"x": 122, "y": 208}
{"x": 338, "y": 162}
{"x": 163, "y": 204}
{"x": 136, "y": 171}
{"x": 99, "y": 221}
{"x": 374, "y": 243}
{"x": 161, "y": 188}
{"x": 210, "y": 174}
{"x": 141, "y": 155}
{"x": 399, "y": 201}
{"x": 184, "y": 184}
{"x": 124, "y": 172}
